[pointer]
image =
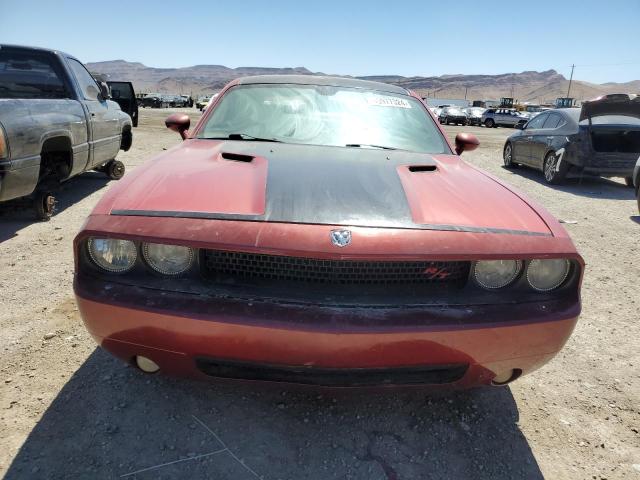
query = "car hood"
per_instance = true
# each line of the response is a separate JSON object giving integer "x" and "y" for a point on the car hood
{"x": 274, "y": 182}
{"x": 614, "y": 104}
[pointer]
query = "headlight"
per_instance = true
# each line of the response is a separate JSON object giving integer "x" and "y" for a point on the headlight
{"x": 496, "y": 273}
{"x": 168, "y": 259}
{"x": 113, "y": 255}
{"x": 545, "y": 275}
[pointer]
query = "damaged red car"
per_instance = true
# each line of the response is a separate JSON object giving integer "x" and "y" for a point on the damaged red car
{"x": 323, "y": 231}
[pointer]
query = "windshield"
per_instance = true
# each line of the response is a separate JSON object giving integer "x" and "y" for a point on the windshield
{"x": 325, "y": 115}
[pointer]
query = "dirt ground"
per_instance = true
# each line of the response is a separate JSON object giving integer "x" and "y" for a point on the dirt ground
{"x": 69, "y": 410}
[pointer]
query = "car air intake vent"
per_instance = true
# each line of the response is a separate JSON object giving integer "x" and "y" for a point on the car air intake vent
{"x": 240, "y": 267}
{"x": 422, "y": 168}
{"x": 237, "y": 157}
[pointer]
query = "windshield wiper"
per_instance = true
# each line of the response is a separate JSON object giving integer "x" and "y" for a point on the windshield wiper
{"x": 369, "y": 145}
{"x": 244, "y": 136}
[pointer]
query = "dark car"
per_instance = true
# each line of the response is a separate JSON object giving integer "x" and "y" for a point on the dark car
{"x": 152, "y": 101}
{"x": 124, "y": 95}
{"x": 601, "y": 138}
{"x": 453, "y": 115}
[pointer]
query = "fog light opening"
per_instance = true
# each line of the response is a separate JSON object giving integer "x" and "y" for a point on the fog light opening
{"x": 146, "y": 364}
{"x": 506, "y": 377}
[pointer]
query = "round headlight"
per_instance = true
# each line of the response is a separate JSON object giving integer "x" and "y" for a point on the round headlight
{"x": 545, "y": 275}
{"x": 113, "y": 255}
{"x": 496, "y": 273}
{"x": 168, "y": 259}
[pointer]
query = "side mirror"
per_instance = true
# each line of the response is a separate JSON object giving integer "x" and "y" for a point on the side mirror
{"x": 465, "y": 142}
{"x": 520, "y": 126}
{"x": 178, "y": 122}
{"x": 104, "y": 91}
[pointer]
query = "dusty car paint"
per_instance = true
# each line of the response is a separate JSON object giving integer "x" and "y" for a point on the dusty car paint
{"x": 29, "y": 123}
{"x": 190, "y": 327}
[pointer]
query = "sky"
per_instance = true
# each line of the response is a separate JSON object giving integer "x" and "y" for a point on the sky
{"x": 343, "y": 37}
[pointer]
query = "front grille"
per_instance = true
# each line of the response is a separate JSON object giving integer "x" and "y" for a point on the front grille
{"x": 240, "y": 266}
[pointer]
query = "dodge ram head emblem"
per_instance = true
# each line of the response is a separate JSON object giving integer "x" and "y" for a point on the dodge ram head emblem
{"x": 341, "y": 238}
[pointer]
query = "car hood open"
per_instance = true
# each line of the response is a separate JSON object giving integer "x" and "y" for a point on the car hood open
{"x": 614, "y": 104}
{"x": 275, "y": 182}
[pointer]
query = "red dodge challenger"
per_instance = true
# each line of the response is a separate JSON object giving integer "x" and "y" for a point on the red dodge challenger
{"x": 323, "y": 231}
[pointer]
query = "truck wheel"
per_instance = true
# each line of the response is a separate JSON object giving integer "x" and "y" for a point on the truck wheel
{"x": 114, "y": 169}
{"x": 553, "y": 174}
{"x": 44, "y": 204}
{"x": 489, "y": 123}
{"x": 628, "y": 181}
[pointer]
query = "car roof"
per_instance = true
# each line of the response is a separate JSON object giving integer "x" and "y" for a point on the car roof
{"x": 321, "y": 81}
{"x": 39, "y": 49}
{"x": 572, "y": 112}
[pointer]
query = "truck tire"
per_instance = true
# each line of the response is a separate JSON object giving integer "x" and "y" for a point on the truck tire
{"x": 44, "y": 204}
{"x": 114, "y": 169}
{"x": 127, "y": 139}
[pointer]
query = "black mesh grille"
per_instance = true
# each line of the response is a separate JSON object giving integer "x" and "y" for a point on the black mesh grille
{"x": 247, "y": 266}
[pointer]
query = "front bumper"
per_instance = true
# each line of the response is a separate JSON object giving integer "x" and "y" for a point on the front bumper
{"x": 188, "y": 335}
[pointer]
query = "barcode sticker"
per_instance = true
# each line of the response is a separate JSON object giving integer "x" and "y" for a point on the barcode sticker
{"x": 396, "y": 102}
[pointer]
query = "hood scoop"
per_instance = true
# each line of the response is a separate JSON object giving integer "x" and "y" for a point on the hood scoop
{"x": 422, "y": 168}
{"x": 237, "y": 157}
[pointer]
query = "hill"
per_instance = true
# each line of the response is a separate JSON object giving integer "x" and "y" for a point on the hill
{"x": 525, "y": 86}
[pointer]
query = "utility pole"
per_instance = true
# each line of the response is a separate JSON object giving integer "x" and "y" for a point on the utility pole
{"x": 465, "y": 92}
{"x": 570, "y": 79}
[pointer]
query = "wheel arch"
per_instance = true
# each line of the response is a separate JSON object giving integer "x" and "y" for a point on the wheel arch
{"x": 56, "y": 155}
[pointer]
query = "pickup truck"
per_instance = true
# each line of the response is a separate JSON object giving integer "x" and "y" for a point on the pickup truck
{"x": 56, "y": 122}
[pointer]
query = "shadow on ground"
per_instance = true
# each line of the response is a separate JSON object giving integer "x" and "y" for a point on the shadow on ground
{"x": 18, "y": 214}
{"x": 587, "y": 186}
{"x": 111, "y": 421}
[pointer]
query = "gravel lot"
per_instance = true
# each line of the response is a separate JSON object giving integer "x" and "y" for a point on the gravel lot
{"x": 68, "y": 410}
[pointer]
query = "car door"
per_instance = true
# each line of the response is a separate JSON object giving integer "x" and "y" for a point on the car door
{"x": 103, "y": 116}
{"x": 526, "y": 138}
{"x": 543, "y": 138}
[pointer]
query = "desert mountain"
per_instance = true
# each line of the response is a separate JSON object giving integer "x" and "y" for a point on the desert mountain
{"x": 525, "y": 86}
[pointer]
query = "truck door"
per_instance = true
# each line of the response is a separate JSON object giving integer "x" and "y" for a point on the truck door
{"x": 123, "y": 94}
{"x": 104, "y": 127}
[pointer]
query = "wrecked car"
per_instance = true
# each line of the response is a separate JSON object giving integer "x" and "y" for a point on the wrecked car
{"x": 600, "y": 138}
{"x": 323, "y": 231}
{"x": 55, "y": 123}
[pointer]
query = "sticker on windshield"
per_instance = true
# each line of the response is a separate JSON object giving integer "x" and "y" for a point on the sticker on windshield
{"x": 388, "y": 102}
